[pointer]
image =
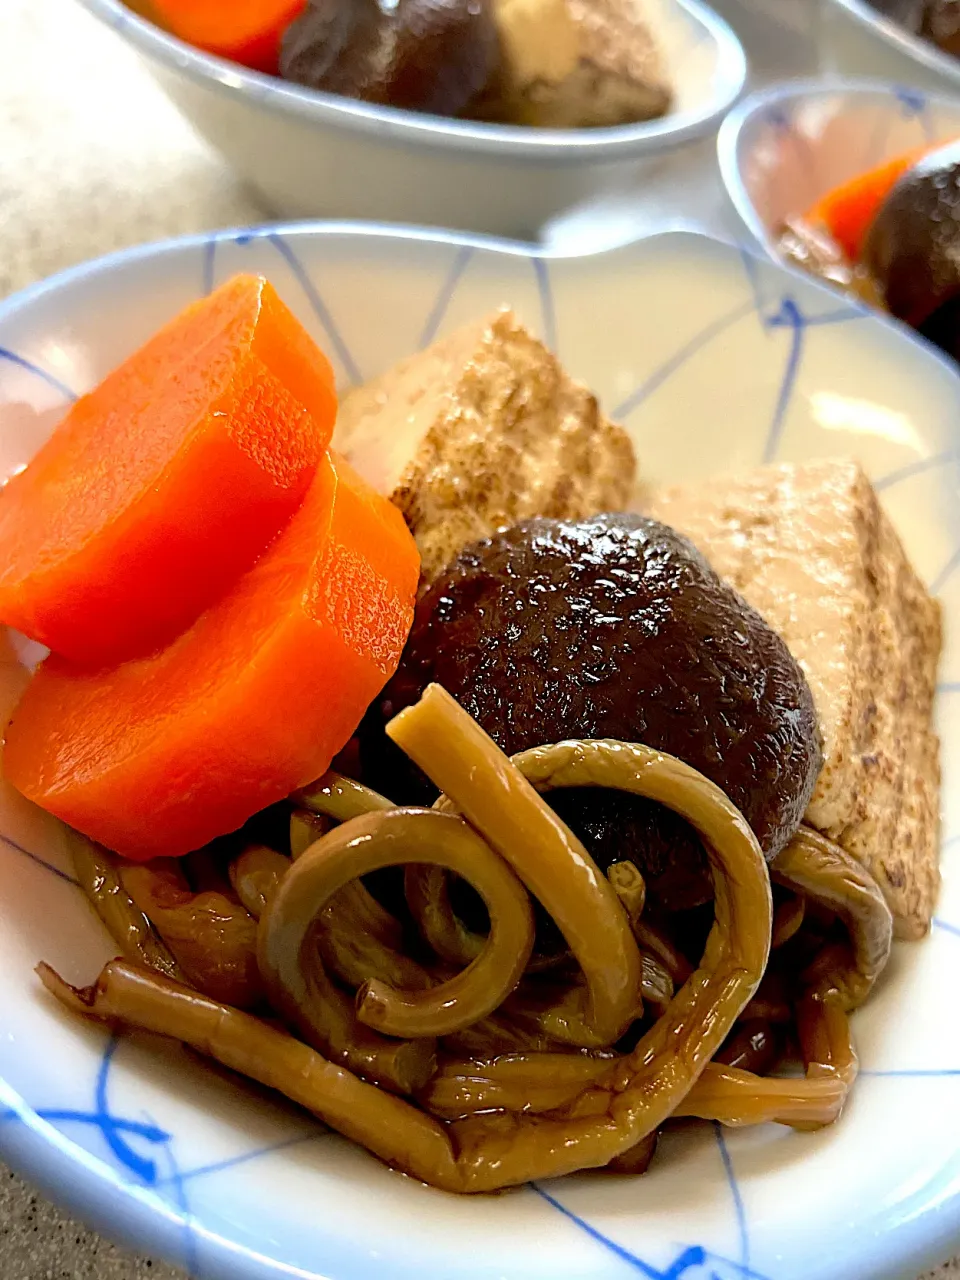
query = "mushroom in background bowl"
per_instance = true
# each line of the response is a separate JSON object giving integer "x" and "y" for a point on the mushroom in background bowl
{"x": 317, "y": 152}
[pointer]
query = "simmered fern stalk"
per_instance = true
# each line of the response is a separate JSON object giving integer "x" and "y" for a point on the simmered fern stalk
{"x": 499, "y": 880}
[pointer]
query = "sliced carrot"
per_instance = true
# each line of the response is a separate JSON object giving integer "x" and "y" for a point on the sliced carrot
{"x": 848, "y": 211}
{"x": 244, "y": 31}
{"x": 162, "y": 486}
{"x": 160, "y": 755}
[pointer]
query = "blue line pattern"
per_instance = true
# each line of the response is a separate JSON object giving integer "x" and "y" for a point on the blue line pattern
{"x": 737, "y": 1197}
{"x": 912, "y": 102}
{"x": 258, "y": 1153}
{"x": 439, "y": 309}
{"x": 175, "y": 1179}
{"x": 913, "y": 106}
{"x": 40, "y": 862}
{"x": 917, "y": 468}
{"x": 160, "y": 1169}
{"x": 686, "y": 353}
{"x": 52, "y": 1115}
{"x": 139, "y": 1166}
{"x": 548, "y": 314}
{"x": 945, "y": 574}
{"x": 21, "y": 362}
{"x": 791, "y": 317}
{"x": 786, "y": 314}
{"x": 320, "y": 308}
{"x": 778, "y": 119}
{"x": 689, "y": 1260}
{"x": 114, "y": 1130}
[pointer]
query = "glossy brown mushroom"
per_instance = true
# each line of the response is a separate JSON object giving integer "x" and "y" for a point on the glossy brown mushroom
{"x": 424, "y": 55}
{"x": 913, "y": 248}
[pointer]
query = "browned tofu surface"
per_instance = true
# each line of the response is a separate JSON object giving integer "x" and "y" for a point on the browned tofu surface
{"x": 479, "y": 431}
{"x": 810, "y": 548}
{"x": 570, "y": 64}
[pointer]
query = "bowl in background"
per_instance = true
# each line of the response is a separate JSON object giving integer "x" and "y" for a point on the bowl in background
{"x": 784, "y": 147}
{"x": 713, "y": 360}
{"x": 311, "y": 154}
{"x": 857, "y": 40}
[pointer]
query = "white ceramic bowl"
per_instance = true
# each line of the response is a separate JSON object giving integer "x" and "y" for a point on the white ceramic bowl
{"x": 785, "y": 146}
{"x": 318, "y": 155}
{"x": 857, "y": 40}
{"x": 713, "y": 360}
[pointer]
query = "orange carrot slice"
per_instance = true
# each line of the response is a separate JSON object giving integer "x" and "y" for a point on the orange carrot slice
{"x": 162, "y": 486}
{"x": 245, "y": 31}
{"x": 848, "y": 211}
{"x": 158, "y": 756}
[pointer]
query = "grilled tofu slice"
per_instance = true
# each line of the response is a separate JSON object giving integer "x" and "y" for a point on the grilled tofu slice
{"x": 573, "y": 64}
{"x": 479, "y": 431}
{"x": 810, "y": 548}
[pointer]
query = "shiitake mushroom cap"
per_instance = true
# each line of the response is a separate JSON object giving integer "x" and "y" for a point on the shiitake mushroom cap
{"x": 423, "y": 55}
{"x": 913, "y": 247}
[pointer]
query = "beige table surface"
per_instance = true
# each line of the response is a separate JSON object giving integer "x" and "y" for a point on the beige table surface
{"x": 92, "y": 158}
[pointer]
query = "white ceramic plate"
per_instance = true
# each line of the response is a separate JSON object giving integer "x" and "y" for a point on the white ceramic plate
{"x": 784, "y": 147}
{"x": 713, "y": 361}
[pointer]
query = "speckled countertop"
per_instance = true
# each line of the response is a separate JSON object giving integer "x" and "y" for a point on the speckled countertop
{"x": 92, "y": 158}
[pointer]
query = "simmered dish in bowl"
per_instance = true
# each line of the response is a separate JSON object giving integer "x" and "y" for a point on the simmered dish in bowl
{"x": 491, "y": 821}
{"x": 544, "y": 63}
{"x": 891, "y": 237}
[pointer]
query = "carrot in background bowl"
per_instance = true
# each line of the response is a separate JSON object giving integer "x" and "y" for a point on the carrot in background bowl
{"x": 160, "y": 755}
{"x": 244, "y": 31}
{"x": 161, "y": 487}
{"x": 848, "y": 211}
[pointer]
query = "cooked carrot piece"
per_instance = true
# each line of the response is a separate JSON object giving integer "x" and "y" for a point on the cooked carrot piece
{"x": 162, "y": 486}
{"x": 245, "y": 31}
{"x": 848, "y": 211}
{"x": 159, "y": 755}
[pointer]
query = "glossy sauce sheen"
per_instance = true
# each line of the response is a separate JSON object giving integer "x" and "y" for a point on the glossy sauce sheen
{"x": 613, "y": 627}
